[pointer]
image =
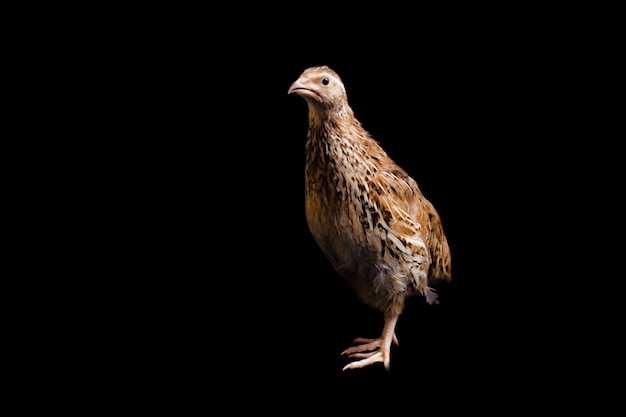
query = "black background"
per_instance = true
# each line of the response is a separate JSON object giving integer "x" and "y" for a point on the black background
{"x": 220, "y": 289}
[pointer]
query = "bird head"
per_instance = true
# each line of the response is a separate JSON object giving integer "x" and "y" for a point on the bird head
{"x": 322, "y": 89}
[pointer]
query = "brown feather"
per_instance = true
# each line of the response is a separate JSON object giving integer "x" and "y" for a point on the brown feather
{"x": 365, "y": 212}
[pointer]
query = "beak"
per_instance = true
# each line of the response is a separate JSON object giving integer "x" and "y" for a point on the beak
{"x": 297, "y": 85}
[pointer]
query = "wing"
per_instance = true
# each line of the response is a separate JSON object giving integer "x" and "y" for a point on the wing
{"x": 415, "y": 218}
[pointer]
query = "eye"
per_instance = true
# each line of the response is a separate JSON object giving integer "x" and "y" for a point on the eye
{"x": 325, "y": 81}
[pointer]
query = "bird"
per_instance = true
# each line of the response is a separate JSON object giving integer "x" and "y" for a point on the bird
{"x": 367, "y": 214}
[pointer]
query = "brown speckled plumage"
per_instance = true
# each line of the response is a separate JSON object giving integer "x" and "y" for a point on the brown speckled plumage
{"x": 366, "y": 213}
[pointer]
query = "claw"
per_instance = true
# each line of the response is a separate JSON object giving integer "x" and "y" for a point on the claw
{"x": 373, "y": 358}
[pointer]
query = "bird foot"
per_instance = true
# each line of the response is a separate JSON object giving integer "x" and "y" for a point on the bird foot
{"x": 368, "y": 351}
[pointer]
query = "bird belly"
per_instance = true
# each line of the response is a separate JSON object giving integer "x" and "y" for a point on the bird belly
{"x": 361, "y": 257}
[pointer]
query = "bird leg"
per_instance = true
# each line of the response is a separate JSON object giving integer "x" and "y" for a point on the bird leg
{"x": 370, "y": 351}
